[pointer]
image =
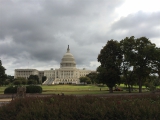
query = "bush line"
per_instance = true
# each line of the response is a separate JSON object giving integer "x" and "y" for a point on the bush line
{"x": 145, "y": 107}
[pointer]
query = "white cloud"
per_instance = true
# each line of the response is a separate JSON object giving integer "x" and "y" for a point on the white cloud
{"x": 133, "y": 6}
{"x": 94, "y": 64}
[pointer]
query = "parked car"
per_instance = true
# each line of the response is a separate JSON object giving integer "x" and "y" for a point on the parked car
{"x": 118, "y": 89}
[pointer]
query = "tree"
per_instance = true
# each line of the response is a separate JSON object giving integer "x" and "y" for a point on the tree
{"x": 3, "y": 76}
{"x": 127, "y": 46}
{"x": 110, "y": 58}
{"x": 44, "y": 78}
{"x": 6, "y": 82}
{"x": 143, "y": 59}
{"x": 22, "y": 80}
{"x": 85, "y": 80}
{"x": 101, "y": 74}
{"x": 93, "y": 77}
{"x": 156, "y": 63}
{"x": 152, "y": 82}
{"x": 139, "y": 56}
{"x": 31, "y": 82}
{"x": 34, "y": 77}
{"x": 17, "y": 82}
{"x": 10, "y": 78}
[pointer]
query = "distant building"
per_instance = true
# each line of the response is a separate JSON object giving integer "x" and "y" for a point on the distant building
{"x": 25, "y": 73}
{"x": 66, "y": 74}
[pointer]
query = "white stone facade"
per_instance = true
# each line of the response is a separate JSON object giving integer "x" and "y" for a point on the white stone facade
{"x": 25, "y": 73}
{"x": 66, "y": 74}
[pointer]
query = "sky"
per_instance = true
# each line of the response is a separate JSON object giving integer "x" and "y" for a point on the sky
{"x": 35, "y": 34}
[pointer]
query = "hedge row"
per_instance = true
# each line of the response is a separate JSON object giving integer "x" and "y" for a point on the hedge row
{"x": 10, "y": 89}
{"x": 29, "y": 89}
{"x": 83, "y": 108}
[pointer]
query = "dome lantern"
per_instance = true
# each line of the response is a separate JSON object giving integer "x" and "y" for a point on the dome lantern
{"x": 68, "y": 49}
{"x": 68, "y": 60}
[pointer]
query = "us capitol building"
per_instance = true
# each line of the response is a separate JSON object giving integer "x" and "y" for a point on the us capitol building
{"x": 66, "y": 74}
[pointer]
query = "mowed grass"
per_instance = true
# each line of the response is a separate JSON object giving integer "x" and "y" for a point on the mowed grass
{"x": 74, "y": 89}
{"x": 2, "y": 88}
{"x": 82, "y": 89}
{"x": 78, "y": 89}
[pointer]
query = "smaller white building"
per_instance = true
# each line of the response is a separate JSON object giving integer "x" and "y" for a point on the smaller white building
{"x": 25, "y": 73}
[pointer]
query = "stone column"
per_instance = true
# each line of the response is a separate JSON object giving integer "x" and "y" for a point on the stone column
{"x": 70, "y": 74}
{"x": 63, "y": 74}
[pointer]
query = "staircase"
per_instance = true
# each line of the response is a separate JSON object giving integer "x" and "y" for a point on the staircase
{"x": 48, "y": 82}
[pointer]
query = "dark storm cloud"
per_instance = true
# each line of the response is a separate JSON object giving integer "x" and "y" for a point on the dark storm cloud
{"x": 37, "y": 32}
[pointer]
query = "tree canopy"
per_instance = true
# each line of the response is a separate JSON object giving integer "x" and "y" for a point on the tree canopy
{"x": 85, "y": 80}
{"x": 133, "y": 58}
{"x": 93, "y": 77}
{"x": 34, "y": 77}
{"x": 44, "y": 78}
{"x": 110, "y": 58}
{"x": 3, "y": 76}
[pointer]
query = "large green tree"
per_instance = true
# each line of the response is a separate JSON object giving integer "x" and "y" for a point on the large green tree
{"x": 17, "y": 82}
{"x": 44, "y": 78}
{"x": 3, "y": 76}
{"x": 22, "y": 80}
{"x": 139, "y": 56}
{"x": 10, "y": 78}
{"x": 156, "y": 63}
{"x": 85, "y": 80}
{"x": 144, "y": 58}
{"x": 110, "y": 58}
{"x": 101, "y": 75}
{"x": 127, "y": 46}
{"x": 34, "y": 77}
{"x": 93, "y": 77}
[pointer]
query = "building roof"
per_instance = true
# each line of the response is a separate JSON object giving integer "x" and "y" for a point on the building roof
{"x": 68, "y": 58}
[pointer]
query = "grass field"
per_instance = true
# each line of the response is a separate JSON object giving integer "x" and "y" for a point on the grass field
{"x": 82, "y": 89}
{"x": 77, "y": 89}
{"x": 74, "y": 89}
{"x": 2, "y": 89}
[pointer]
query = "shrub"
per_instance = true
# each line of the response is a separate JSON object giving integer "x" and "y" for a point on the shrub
{"x": 136, "y": 107}
{"x": 33, "y": 89}
{"x": 10, "y": 89}
{"x": 29, "y": 89}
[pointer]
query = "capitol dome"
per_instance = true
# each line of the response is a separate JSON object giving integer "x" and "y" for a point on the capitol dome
{"x": 68, "y": 60}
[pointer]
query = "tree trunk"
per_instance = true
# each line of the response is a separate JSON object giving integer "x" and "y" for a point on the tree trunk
{"x": 110, "y": 89}
{"x": 129, "y": 88}
{"x": 140, "y": 86}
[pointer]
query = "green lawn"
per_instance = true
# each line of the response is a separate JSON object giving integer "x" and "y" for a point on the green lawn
{"x": 81, "y": 89}
{"x": 2, "y": 89}
{"x": 74, "y": 89}
{"x": 77, "y": 89}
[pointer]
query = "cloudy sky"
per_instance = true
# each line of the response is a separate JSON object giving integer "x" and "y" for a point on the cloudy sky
{"x": 36, "y": 33}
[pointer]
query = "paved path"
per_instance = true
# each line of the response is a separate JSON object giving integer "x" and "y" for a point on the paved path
{"x": 5, "y": 100}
